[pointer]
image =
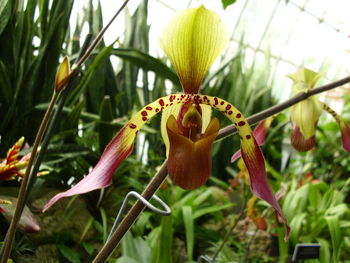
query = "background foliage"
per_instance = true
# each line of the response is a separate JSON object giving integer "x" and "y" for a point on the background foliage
{"x": 36, "y": 34}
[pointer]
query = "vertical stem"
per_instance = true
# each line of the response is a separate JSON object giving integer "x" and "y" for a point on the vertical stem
{"x": 22, "y": 191}
{"x": 229, "y": 233}
{"x": 131, "y": 216}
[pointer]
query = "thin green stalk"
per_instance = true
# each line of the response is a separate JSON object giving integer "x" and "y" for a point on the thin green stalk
{"x": 229, "y": 233}
{"x": 157, "y": 180}
{"x": 22, "y": 190}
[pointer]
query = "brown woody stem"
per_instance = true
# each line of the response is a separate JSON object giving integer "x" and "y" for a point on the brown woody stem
{"x": 157, "y": 180}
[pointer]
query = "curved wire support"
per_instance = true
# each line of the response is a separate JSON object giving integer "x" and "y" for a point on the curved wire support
{"x": 165, "y": 212}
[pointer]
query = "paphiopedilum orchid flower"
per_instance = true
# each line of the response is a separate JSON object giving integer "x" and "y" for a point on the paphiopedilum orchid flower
{"x": 192, "y": 41}
{"x": 305, "y": 114}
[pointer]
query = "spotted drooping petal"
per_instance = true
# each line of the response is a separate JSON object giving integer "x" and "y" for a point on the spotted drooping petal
{"x": 260, "y": 132}
{"x": 101, "y": 176}
{"x": 193, "y": 40}
{"x": 344, "y": 127}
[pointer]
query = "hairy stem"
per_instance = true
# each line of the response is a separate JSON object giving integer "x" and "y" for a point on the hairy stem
{"x": 157, "y": 180}
{"x": 22, "y": 190}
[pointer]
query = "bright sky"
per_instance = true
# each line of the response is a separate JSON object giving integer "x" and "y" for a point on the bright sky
{"x": 312, "y": 33}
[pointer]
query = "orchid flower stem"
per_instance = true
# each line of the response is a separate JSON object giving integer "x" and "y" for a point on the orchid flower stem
{"x": 229, "y": 233}
{"x": 157, "y": 180}
{"x": 22, "y": 190}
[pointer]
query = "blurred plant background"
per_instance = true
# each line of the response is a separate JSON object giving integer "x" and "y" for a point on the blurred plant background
{"x": 269, "y": 40}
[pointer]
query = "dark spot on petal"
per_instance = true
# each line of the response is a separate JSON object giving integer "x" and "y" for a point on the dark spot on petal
{"x": 161, "y": 102}
{"x": 248, "y": 136}
{"x": 144, "y": 118}
{"x": 241, "y": 123}
{"x": 222, "y": 103}
{"x": 238, "y": 115}
{"x": 132, "y": 126}
{"x": 228, "y": 106}
{"x": 148, "y": 108}
{"x": 144, "y": 113}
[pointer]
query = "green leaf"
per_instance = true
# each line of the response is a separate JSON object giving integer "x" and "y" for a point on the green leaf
{"x": 6, "y": 89}
{"x": 5, "y": 13}
{"x": 325, "y": 254}
{"x": 296, "y": 225}
{"x": 105, "y": 130}
{"x": 210, "y": 209}
{"x": 202, "y": 197}
{"x": 69, "y": 254}
{"x": 164, "y": 248}
{"x": 97, "y": 63}
{"x": 336, "y": 236}
{"x": 72, "y": 120}
{"x": 282, "y": 246}
{"x": 189, "y": 226}
{"x": 86, "y": 229}
{"x": 146, "y": 62}
{"x": 125, "y": 259}
{"x": 136, "y": 248}
{"x": 104, "y": 224}
{"x": 227, "y": 3}
{"x": 88, "y": 247}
